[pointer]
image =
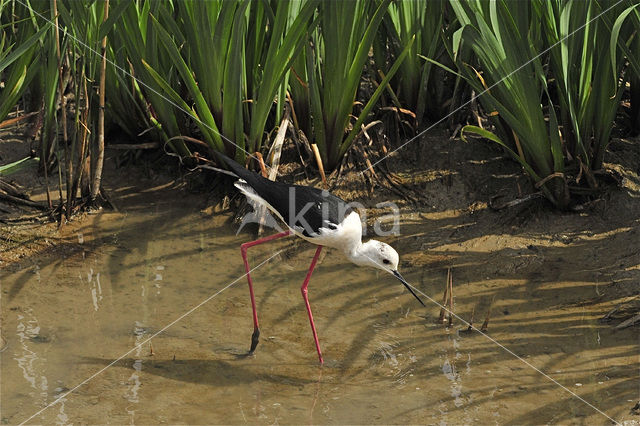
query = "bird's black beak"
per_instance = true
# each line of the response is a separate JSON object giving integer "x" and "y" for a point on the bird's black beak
{"x": 406, "y": 284}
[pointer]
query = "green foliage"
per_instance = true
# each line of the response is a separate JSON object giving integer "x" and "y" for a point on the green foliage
{"x": 16, "y": 166}
{"x": 587, "y": 81}
{"x": 334, "y": 65}
{"x": 81, "y": 28}
{"x": 19, "y": 53}
{"x": 156, "y": 78}
{"x": 626, "y": 33}
{"x": 515, "y": 82}
{"x": 414, "y": 83}
{"x": 220, "y": 63}
{"x": 550, "y": 73}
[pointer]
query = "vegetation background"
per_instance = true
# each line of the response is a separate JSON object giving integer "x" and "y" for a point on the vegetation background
{"x": 549, "y": 81}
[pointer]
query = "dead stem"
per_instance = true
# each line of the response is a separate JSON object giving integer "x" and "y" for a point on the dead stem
{"x": 316, "y": 153}
{"x": 473, "y": 311}
{"x": 263, "y": 168}
{"x": 11, "y": 121}
{"x": 450, "y": 298}
{"x": 485, "y": 324}
{"x": 97, "y": 177}
{"x": 444, "y": 298}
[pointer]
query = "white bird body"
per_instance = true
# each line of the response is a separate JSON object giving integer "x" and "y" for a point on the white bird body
{"x": 345, "y": 236}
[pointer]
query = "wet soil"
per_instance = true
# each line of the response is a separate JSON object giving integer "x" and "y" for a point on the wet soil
{"x": 144, "y": 313}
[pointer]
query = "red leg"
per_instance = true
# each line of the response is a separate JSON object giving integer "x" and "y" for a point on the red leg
{"x": 243, "y": 249}
{"x": 303, "y": 289}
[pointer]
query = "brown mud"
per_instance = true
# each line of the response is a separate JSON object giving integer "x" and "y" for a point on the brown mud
{"x": 80, "y": 298}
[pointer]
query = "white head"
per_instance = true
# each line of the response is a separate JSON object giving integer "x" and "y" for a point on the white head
{"x": 378, "y": 255}
{"x": 382, "y": 256}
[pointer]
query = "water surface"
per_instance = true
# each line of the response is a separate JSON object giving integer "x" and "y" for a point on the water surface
{"x": 126, "y": 276}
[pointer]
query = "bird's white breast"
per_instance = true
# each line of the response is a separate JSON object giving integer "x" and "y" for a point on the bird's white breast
{"x": 346, "y": 236}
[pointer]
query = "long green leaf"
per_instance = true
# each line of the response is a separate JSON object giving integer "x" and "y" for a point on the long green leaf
{"x": 23, "y": 48}
{"x": 16, "y": 166}
{"x": 374, "y": 98}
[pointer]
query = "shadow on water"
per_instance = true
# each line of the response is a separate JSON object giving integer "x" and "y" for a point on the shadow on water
{"x": 208, "y": 372}
{"x": 550, "y": 276}
{"x": 375, "y": 318}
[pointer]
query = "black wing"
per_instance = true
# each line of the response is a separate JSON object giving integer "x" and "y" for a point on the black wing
{"x": 301, "y": 207}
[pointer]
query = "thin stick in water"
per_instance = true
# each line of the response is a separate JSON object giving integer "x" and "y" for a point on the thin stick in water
{"x": 450, "y": 298}
{"x": 485, "y": 324}
{"x": 473, "y": 311}
{"x": 444, "y": 297}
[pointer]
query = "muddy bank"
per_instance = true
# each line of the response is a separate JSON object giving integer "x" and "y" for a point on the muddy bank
{"x": 77, "y": 299}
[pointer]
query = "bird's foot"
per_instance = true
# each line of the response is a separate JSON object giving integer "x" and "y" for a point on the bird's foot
{"x": 255, "y": 339}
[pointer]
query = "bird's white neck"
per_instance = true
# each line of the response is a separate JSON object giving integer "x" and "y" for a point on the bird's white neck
{"x": 348, "y": 238}
{"x": 354, "y": 254}
{"x": 358, "y": 254}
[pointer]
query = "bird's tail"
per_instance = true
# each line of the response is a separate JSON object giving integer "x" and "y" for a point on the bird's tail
{"x": 237, "y": 169}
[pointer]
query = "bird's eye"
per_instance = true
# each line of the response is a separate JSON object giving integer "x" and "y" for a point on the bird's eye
{"x": 386, "y": 261}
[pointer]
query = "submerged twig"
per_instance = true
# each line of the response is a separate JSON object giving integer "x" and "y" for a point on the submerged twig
{"x": 473, "y": 311}
{"x": 485, "y": 324}
{"x": 11, "y": 189}
{"x": 628, "y": 323}
{"x": 444, "y": 298}
{"x": 493, "y": 205}
{"x": 450, "y": 298}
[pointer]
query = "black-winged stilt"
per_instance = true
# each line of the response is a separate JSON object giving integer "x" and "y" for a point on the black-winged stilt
{"x": 318, "y": 217}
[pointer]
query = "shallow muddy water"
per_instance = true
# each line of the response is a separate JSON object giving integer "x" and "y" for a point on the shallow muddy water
{"x": 81, "y": 317}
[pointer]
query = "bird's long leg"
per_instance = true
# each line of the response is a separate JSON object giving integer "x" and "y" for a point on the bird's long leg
{"x": 303, "y": 289}
{"x": 255, "y": 337}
